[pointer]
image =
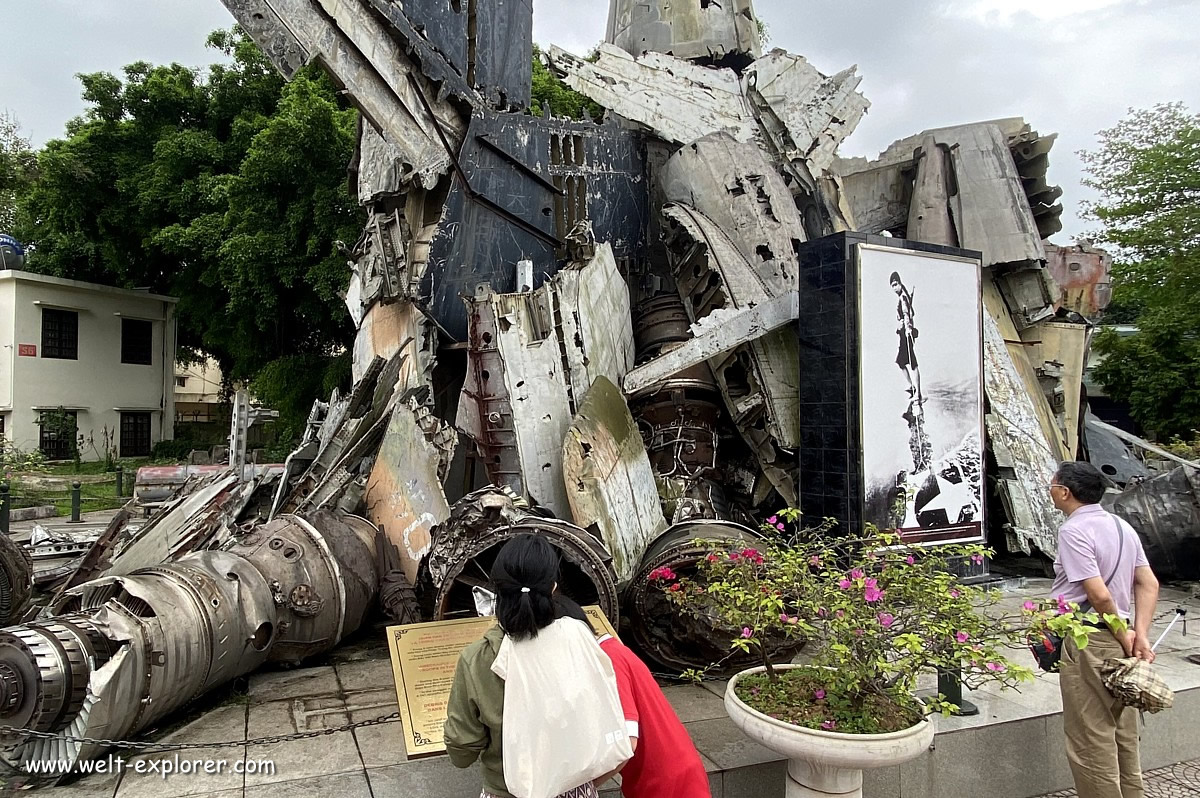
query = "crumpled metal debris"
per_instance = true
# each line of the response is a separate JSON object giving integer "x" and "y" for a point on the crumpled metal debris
{"x": 1165, "y": 512}
{"x": 16, "y": 574}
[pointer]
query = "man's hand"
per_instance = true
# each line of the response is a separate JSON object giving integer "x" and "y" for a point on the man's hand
{"x": 1141, "y": 647}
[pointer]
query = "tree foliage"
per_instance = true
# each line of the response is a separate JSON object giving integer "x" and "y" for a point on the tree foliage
{"x": 224, "y": 187}
{"x": 1147, "y": 171}
{"x": 550, "y": 91}
{"x": 18, "y": 164}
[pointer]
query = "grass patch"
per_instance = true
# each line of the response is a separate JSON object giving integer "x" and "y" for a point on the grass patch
{"x": 67, "y": 469}
{"x": 792, "y": 698}
{"x": 93, "y": 497}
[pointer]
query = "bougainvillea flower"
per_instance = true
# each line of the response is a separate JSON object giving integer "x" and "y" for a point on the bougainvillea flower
{"x": 819, "y": 695}
{"x": 660, "y": 574}
{"x": 962, "y": 637}
{"x": 995, "y": 667}
{"x": 910, "y": 560}
{"x": 845, "y": 584}
{"x": 857, "y": 574}
{"x": 1029, "y": 606}
{"x": 886, "y": 619}
{"x": 829, "y": 725}
{"x": 872, "y": 594}
{"x": 747, "y": 632}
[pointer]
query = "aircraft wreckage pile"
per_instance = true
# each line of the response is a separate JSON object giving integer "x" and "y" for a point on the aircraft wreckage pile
{"x": 587, "y": 330}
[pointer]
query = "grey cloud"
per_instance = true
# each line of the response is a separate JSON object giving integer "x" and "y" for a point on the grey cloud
{"x": 924, "y": 62}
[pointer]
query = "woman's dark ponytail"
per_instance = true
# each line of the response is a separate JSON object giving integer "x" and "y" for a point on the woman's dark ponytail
{"x": 524, "y": 575}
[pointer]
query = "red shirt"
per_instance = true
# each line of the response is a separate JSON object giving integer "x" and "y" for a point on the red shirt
{"x": 665, "y": 764}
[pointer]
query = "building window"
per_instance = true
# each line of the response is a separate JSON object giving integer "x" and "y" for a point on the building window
{"x": 181, "y": 382}
{"x": 137, "y": 342}
{"x": 56, "y": 436}
{"x": 60, "y": 334}
{"x": 135, "y": 435}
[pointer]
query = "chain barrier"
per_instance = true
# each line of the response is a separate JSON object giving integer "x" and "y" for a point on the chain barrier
{"x": 149, "y": 747}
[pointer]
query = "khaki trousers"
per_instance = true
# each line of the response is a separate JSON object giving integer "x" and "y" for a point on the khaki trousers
{"x": 1102, "y": 734}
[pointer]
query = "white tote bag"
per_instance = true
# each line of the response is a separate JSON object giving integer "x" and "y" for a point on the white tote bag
{"x": 563, "y": 723}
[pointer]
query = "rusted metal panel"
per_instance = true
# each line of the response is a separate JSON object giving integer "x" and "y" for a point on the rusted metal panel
{"x": 609, "y": 481}
{"x": 397, "y": 328}
{"x": 1083, "y": 274}
{"x": 404, "y": 495}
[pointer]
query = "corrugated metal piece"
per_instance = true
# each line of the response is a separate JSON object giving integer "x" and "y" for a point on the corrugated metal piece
{"x": 609, "y": 481}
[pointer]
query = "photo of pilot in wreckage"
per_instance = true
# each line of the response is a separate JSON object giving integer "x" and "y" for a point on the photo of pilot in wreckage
{"x": 921, "y": 396}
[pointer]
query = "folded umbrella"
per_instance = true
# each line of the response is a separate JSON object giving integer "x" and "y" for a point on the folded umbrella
{"x": 1135, "y": 684}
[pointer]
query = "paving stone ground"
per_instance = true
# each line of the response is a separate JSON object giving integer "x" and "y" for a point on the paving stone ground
{"x": 1011, "y": 749}
{"x": 1177, "y": 781}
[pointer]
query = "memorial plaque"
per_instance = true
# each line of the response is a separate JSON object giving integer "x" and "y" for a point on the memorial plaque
{"x": 891, "y": 387}
{"x": 424, "y": 656}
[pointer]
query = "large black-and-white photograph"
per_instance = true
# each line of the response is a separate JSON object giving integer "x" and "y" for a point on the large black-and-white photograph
{"x": 921, "y": 394}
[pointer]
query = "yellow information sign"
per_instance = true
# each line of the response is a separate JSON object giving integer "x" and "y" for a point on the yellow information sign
{"x": 424, "y": 656}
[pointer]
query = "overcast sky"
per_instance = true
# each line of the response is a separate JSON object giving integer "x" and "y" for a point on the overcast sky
{"x": 1068, "y": 66}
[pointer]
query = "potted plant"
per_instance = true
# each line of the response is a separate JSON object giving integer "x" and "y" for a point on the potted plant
{"x": 877, "y": 614}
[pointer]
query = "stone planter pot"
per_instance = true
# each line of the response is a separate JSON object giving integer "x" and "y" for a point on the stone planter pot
{"x": 824, "y": 763}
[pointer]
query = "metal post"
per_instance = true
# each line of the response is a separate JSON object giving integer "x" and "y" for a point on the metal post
{"x": 120, "y": 481}
{"x": 75, "y": 497}
{"x": 4, "y": 508}
{"x": 950, "y": 685}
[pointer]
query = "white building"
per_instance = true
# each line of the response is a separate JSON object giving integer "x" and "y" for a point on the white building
{"x": 104, "y": 355}
{"x": 198, "y": 392}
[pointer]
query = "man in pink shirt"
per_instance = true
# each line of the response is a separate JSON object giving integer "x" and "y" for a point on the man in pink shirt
{"x": 1101, "y": 566}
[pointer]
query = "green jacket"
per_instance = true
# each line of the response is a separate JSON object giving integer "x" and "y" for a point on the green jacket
{"x": 475, "y": 716}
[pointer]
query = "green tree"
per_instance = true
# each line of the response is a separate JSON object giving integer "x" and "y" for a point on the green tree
{"x": 225, "y": 187}
{"x": 1147, "y": 171}
{"x": 17, "y": 169}
{"x": 550, "y": 90}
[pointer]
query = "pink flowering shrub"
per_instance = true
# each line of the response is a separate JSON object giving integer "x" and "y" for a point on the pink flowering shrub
{"x": 878, "y": 614}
